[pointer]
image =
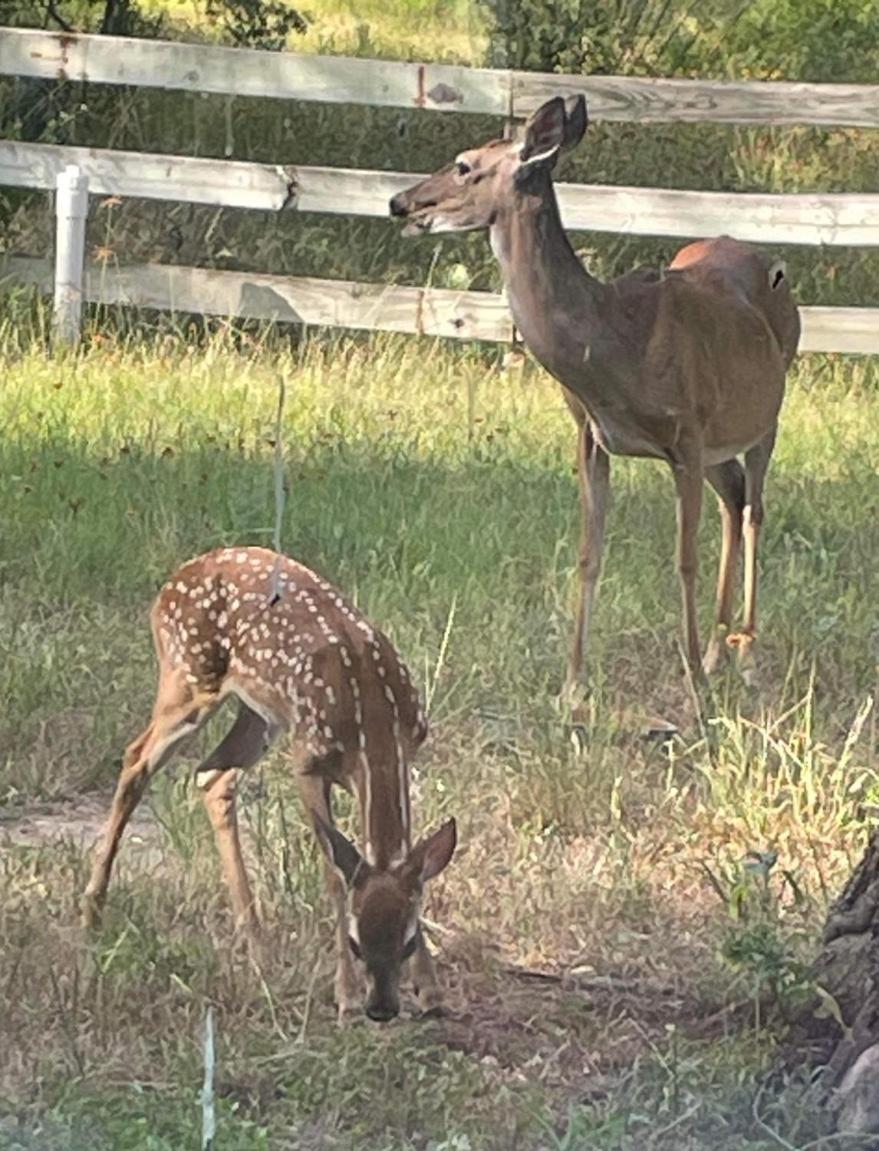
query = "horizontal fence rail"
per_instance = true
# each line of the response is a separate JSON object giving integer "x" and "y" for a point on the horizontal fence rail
{"x": 439, "y": 87}
{"x": 807, "y": 218}
{"x": 371, "y": 307}
{"x": 251, "y": 72}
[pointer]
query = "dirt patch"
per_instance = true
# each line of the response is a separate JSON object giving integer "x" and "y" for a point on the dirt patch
{"x": 78, "y": 821}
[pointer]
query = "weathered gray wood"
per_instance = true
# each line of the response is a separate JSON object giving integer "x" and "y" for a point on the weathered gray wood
{"x": 853, "y": 330}
{"x": 764, "y": 218}
{"x": 645, "y": 101}
{"x": 440, "y": 87}
{"x": 841, "y": 218}
{"x": 318, "y": 303}
{"x": 341, "y": 303}
{"x": 233, "y": 184}
{"x": 248, "y": 72}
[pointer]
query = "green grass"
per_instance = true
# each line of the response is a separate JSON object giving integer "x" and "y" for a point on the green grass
{"x": 437, "y": 488}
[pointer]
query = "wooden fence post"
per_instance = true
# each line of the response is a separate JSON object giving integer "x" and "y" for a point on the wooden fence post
{"x": 71, "y": 210}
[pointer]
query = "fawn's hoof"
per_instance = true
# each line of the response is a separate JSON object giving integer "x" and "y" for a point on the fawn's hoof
{"x": 430, "y": 1002}
{"x": 90, "y": 913}
{"x": 348, "y": 1013}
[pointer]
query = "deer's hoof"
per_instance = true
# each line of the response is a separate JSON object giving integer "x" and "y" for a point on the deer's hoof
{"x": 90, "y": 913}
{"x": 578, "y": 734}
{"x": 716, "y": 657}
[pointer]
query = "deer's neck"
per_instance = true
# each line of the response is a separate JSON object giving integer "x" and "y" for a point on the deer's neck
{"x": 556, "y": 305}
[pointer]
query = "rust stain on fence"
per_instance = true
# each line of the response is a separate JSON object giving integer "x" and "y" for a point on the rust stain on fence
{"x": 64, "y": 43}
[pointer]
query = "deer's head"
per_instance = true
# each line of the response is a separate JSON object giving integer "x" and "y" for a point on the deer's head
{"x": 383, "y": 906}
{"x": 470, "y": 192}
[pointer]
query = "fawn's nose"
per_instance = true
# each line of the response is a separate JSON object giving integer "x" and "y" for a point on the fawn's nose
{"x": 382, "y": 1012}
{"x": 398, "y": 205}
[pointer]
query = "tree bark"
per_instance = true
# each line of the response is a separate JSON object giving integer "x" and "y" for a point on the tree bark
{"x": 848, "y": 970}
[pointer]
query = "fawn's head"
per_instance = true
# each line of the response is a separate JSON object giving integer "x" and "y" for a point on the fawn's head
{"x": 383, "y": 907}
{"x": 470, "y": 192}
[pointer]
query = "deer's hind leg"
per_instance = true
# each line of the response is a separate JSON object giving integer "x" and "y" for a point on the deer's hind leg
{"x": 179, "y": 711}
{"x": 728, "y": 481}
{"x": 756, "y": 465}
{"x": 217, "y": 776}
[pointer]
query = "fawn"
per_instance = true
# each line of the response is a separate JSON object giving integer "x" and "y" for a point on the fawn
{"x": 300, "y": 659}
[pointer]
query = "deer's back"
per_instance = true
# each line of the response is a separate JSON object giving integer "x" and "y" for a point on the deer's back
{"x": 304, "y": 658}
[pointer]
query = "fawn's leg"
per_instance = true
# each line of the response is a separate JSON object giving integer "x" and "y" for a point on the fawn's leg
{"x": 424, "y": 978}
{"x": 178, "y": 712}
{"x": 314, "y": 791}
{"x": 728, "y": 480}
{"x": 242, "y": 746}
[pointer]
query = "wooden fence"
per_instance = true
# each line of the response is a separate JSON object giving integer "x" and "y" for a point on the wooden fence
{"x": 813, "y": 219}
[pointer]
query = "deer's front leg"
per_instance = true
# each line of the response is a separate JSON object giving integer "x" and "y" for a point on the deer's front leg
{"x": 593, "y": 470}
{"x": 315, "y": 794}
{"x": 349, "y": 1000}
{"x": 427, "y": 988}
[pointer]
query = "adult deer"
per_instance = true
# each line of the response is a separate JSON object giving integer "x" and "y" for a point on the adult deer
{"x": 249, "y": 623}
{"x": 686, "y": 365}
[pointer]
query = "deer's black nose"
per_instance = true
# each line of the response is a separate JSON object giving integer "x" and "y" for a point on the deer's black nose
{"x": 397, "y": 205}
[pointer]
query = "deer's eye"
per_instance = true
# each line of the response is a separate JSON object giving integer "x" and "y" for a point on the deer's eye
{"x": 355, "y": 947}
{"x": 462, "y": 168}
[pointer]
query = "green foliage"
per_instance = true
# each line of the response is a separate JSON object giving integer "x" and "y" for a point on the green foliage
{"x": 781, "y": 39}
{"x": 109, "y": 17}
{"x": 756, "y": 942}
{"x": 266, "y": 24}
{"x": 263, "y": 24}
{"x": 816, "y": 40}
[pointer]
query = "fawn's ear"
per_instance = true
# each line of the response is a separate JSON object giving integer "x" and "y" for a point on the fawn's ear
{"x": 430, "y": 855}
{"x": 340, "y": 851}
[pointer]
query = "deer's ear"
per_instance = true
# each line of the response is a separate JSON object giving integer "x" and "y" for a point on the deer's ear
{"x": 430, "y": 855}
{"x": 340, "y": 851}
{"x": 544, "y": 133}
{"x": 576, "y": 120}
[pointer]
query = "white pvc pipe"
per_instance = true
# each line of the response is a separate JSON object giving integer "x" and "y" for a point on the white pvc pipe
{"x": 71, "y": 210}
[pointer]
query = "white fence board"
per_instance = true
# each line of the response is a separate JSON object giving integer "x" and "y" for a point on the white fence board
{"x": 644, "y": 101}
{"x": 249, "y": 72}
{"x": 440, "y": 87}
{"x": 319, "y": 303}
{"x": 430, "y": 311}
{"x": 232, "y": 184}
{"x": 837, "y": 219}
{"x": 854, "y": 330}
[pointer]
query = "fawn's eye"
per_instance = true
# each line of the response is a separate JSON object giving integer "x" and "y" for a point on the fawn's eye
{"x": 462, "y": 167}
{"x": 355, "y": 947}
{"x": 409, "y": 948}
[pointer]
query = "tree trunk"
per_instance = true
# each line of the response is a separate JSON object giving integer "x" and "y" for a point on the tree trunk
{"x": 848, "y": 970}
